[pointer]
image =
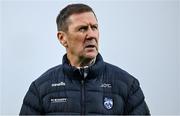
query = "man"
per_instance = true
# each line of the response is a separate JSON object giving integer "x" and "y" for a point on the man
{"x": 84, "y": 83}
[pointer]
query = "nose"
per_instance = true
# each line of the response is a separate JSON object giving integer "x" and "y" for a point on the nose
{"x": 91, "y": 33}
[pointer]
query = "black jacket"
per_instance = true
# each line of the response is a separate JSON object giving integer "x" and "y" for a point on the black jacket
{"x": 64, "y": 89}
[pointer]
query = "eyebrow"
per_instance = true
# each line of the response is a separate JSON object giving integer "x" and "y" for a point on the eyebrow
{"x": 84, "y": 25}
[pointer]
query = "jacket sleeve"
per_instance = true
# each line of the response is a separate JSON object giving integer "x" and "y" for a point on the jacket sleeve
{"x": 135, "y": 104}
{"x": 31, "y": 103}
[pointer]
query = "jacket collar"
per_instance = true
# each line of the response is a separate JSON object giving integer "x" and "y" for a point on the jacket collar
{"x": 93, "y": 71}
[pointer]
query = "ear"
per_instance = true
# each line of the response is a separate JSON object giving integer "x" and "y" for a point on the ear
{"x": 62, "y": 38}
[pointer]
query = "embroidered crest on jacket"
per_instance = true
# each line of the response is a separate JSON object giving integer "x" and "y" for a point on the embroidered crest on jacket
{"x": 108, "y": 103}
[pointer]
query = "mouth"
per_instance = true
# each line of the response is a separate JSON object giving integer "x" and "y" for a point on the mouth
{"x": 90, "y": 46}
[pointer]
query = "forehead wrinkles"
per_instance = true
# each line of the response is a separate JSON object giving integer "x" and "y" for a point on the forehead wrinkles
{"x": 87, "y": 18}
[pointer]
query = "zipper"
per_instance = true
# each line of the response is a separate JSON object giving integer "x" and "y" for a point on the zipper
{"x": 82, "y": 98}
{"x": 84, "y": 72}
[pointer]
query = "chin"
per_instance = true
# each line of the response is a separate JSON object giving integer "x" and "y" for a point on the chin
{"x": 91, "y": 55}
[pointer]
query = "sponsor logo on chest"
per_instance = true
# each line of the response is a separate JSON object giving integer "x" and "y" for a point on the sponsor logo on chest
{"x": 105, "y": 85}
{"x": 58, "y": 84}
{"x": 58, "y": 100}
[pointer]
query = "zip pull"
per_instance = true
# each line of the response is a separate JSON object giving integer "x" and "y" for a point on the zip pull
{"x": 84, "y": 71}
{"x": 82, "y": 82}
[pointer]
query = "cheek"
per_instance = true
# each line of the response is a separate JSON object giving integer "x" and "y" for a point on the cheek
{"x": 76, "y": 42}
{"x": 97, "y": 34}
{"x": 97, "y": 37}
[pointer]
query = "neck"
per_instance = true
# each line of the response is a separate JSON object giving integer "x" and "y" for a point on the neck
{"x": 80, "y": 62}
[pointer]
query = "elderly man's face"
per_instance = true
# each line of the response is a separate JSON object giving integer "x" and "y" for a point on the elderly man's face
{"x": 82, "y": 36}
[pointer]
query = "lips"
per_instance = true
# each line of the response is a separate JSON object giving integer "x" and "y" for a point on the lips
{"x": 90, "y": 46}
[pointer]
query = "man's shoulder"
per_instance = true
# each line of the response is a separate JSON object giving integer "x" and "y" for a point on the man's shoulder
{"x": 118, "y": 73}
{"x": 116, "y": 69}
{"x": 49, "y": 75}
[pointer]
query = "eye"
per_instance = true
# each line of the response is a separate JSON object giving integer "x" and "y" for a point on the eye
{"x": 94, "y": 27}
{"x": 83, "y": 29}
